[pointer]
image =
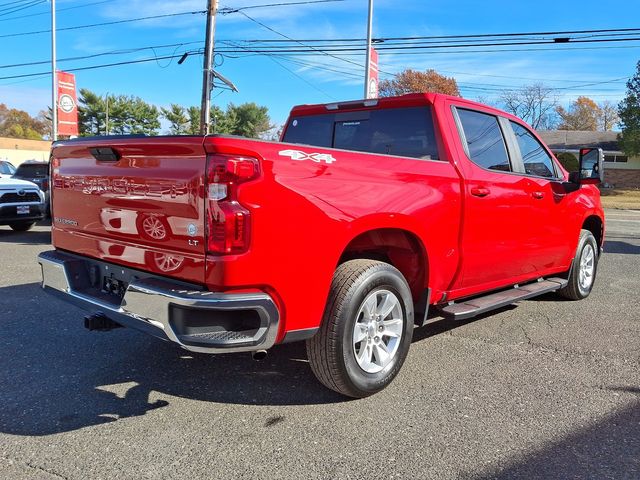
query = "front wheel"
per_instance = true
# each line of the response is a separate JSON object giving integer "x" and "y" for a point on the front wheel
{"x": 366, "y": 330}
{"x": 21, "y": 226}
{"x": 583, "y": 269}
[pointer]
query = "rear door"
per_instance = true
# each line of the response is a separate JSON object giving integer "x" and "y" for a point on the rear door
{"x": 132, "y": 201}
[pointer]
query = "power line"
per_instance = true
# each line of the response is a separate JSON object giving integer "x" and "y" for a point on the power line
{"x": 17, "y": 8}
{"x": 101, "y": 54}
{"x": 477, "y": 87}
{"x": 327, "y": 50}
{"x": 445, "y": 37}
{"x": 94, "y": 67}
{"x": 117, "y": 22}
{"x": 296, "y": 41}
{"x": 228, "y": 10}
{"x": 48, "y": 13}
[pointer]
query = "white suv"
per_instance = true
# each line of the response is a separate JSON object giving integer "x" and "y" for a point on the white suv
{"x": 21, "y": 204}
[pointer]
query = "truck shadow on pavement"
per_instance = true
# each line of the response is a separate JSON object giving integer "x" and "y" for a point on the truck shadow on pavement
{"x": 621, "y": 248}
{"x": 58, "y": 377}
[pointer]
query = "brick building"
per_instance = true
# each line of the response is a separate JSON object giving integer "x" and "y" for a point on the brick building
{"x": 619, "y": 170}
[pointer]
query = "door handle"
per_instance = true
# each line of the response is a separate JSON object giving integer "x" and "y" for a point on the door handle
{"x": 480, "y": 192}
{"x": 537, "y": 195}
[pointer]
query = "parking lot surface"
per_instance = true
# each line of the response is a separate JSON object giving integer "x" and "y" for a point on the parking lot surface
{"x": 547, "y": 389}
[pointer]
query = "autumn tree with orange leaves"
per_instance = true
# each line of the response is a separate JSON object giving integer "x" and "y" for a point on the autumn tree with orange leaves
{"x": 582, "y": 114}
{"x": 413, "y": 81}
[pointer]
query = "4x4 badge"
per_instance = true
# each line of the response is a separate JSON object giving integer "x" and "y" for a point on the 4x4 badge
{"x": 314, "y": 157}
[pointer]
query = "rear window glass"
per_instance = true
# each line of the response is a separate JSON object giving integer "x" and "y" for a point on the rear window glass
{"x": 35, "y": 170}
{"x": 406, "y": 132}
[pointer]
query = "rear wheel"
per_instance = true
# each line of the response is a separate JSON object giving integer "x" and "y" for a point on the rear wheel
{"x": 366, "y": 330}
{"x": 21, "y": 226}
{"x": 583, "y": 269}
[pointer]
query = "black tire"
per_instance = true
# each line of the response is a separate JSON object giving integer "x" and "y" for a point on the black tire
{"x": 21, "y": 226}
{"x": 331, "y": 351}
{"x": 577, "y": 289}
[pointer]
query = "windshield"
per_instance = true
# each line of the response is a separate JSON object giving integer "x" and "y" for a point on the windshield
{"x": 7, "y": 169}
{"x": 406, "y": 132}
{"x": 33, "y": 170}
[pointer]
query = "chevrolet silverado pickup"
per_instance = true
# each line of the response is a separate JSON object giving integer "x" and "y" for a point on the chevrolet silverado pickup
{"x": 345, "y": 234}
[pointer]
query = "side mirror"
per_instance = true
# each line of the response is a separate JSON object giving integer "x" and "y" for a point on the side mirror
{"x": 591, "y": 168}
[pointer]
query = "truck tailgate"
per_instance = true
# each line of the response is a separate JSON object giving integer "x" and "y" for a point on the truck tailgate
{"x": 132, "y": 201}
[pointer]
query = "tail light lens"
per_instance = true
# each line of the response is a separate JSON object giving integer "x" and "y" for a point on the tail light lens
{"x": 228, "y": 222}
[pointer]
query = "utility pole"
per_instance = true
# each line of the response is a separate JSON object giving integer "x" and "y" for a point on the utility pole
{"x": 54, "y": 76}
{"x": 207, "y": 82}
{"x": 368, "y": 62}
{"x": 107, "y": 114}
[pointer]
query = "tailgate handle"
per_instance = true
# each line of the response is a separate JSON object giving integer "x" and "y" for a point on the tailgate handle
{"x": 105, "y": 154}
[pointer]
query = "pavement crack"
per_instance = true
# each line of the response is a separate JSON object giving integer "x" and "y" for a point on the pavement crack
{"x": 526, "y": 336}
{"x": 32, "y": 466}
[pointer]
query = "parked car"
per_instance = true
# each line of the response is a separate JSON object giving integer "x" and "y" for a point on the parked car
{"x": 6, "y": 169}
{"x": 345, "y": 234}
{"x": 38, "y": 173}
{"x": 21, "y": 204}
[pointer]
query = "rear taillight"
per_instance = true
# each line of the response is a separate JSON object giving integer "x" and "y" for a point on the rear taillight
{"x": 228, "y": 222}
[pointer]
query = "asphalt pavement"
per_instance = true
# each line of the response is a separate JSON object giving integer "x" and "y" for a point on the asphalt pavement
{"x": 547, "y": 389}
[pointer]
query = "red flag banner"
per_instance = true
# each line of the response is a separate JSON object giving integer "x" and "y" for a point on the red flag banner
{"x": 373, "y": 74}
{"x": 67, "y": 104}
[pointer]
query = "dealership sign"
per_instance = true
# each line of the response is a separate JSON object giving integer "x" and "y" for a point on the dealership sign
{"x": 372, "y": 88}
{"x": 67, "y": 104}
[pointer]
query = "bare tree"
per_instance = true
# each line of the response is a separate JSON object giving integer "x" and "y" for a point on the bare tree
{"x": 536, "y": 104}
{"x": 608, "y": 116}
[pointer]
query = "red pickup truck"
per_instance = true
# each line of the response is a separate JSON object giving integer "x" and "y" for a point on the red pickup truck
{"x": 343, "y": 234}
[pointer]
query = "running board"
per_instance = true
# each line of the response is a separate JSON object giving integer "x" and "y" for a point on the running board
{"x": 476, "y": 306}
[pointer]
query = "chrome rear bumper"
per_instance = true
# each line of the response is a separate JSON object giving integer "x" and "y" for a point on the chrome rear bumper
{"x": 197, "y": 320}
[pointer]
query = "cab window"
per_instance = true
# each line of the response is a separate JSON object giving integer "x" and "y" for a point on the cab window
{"x": 534, "y": 156}
{"x": 485, "y": 140}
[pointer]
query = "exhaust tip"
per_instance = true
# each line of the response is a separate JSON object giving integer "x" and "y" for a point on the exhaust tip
{"x": 259, "y": 355}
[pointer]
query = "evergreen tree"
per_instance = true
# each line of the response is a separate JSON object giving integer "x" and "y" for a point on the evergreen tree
{"x": 178, "y": 119}
{"x": 629, "y": 112}
{"x": 127, "y": 115}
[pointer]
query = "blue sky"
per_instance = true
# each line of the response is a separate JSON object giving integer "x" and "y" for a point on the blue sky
{"x": 283, "y": 81}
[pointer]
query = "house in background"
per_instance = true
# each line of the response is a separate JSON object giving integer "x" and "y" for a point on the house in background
{"x": 620, "y": 170}
{"x": 17, "y": 150}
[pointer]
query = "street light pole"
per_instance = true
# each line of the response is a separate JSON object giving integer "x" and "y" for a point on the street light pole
{"x": 207, "y": 82}
{"x": 107, "y": 115}
{"x": 367, "y": 66}
{"x": 54, "y": 75}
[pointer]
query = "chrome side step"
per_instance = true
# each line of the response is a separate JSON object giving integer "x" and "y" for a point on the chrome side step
{"x": 479, "y": 305}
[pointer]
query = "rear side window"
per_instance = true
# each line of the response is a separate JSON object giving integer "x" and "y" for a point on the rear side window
{"x": 406, "y": 132}
{"x": 535, "y": 158}
{"x": 484, "y": 139}
{"x": 311, "y": 130}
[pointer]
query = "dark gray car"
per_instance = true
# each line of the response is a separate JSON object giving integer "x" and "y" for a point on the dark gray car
{"x": 38, "y": 173}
